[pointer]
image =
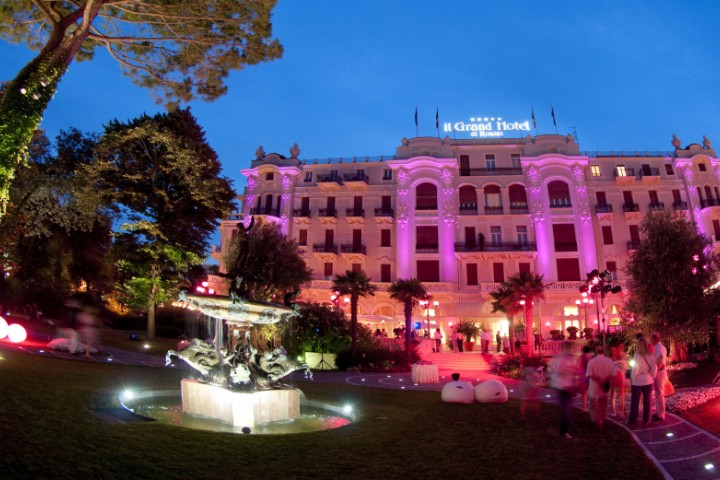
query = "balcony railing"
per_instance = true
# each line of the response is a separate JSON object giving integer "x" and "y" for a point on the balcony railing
{"x": 265, "y": 211}
{"x": 489, "y": 172}
{"x": 631, "y": 207}
{"x": 384, "y": 212}
{"x": 328, "y": 178}
{"x": 355, "y": 177}
{"x": 350, "y": 248}
{"x": 603, "y": 208}
{"x": 566, "y": 246}
{"x": 519, "y": 208}
{"x": 648, "y": 172}
{"x": 632, "y": 245}
{"x": 709, "y": 202}
{"x": 493, "y": 210}
{"x": 560, "y": 203}
{"x": 496, "y": 247}
{"x": 656, "y": 206}
{"x": 302, "y": 213}
{"x": 425, "y": 248}
{"x": 327, "y": 212}
{"x": 680, "y": 205}
{"x": 355, "y": 212}
{"x": 325, "y": 248}
{"x": 627, "y": 172}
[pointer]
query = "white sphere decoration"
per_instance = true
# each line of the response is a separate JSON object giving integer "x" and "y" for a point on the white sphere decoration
{"x": 458, "y": 392}
{"x": 491, "y": 391}
{"x": 3, "y": 328}
{"x": 17, "y": 333}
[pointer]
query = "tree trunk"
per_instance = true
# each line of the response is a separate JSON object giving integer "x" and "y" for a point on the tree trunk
{"x": 353, "y": 323}
{"x": 408, "y": 330}
{"x": 511, "y": 334}
{"x": 678, "y": 351}
{"x": 530, "y": 338}
{"x": 151, "y": 320}
{"x": 29, "y": 93}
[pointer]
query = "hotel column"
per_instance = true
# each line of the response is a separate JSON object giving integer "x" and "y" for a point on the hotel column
{"x": 448, "y": 263}
{"x": 588, "y": 249}
{"x": 537, "y": 213}
{"x": 694, "y": 203}
{"x": 404, "y": 249}
{"x": 250, "y": 195}
{"x": 286, "y": 205}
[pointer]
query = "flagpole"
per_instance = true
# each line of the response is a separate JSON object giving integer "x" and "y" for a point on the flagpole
{"x": 552, "y": 112}
{"x": 416, "y": 122}
{"x": 534, "y": 121}
{"x": 437, "y": 120}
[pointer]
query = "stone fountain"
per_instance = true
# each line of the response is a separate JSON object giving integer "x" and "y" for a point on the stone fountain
{"x": 241, "y": 379}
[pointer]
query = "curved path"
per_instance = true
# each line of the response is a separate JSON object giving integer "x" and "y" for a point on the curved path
{"x": 680, "y": 450}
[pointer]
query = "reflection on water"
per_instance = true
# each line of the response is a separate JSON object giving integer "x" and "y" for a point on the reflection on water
{"x": 168, "y": 409}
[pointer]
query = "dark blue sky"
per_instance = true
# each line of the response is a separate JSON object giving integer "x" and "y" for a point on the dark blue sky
{"x": 625, "y": 75}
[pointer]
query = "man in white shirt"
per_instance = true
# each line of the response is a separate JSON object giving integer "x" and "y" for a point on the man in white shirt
{"x": 660, "y": 353}
{"x": 600, "y": 370}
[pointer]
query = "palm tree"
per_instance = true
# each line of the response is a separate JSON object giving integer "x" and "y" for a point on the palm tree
{"x": 407, "y": 292}
{"x": 356, "y": 284}
{"x": 526, "y": 287}
{"x": 505, "y": 303}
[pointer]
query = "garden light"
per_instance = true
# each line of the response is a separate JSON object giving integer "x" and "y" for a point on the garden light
{"x": 347, "y": 409}
{"x": 709, "y": 466}
{"x": 128, "y": 395}
{"x": 16, "y": 333}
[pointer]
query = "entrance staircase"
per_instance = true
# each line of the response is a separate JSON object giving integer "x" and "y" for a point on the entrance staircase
{"x": 461, "y": 362}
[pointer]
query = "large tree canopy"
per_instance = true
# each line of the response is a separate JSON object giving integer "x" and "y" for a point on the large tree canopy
{"x": 180, "y": 50}
{"x": 669, "y": 274}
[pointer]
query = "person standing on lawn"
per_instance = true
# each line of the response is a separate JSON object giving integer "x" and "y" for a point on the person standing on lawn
{"x": 600, "y": 371}
{"x": 642, "y": 377}
{"x": 660, "y": 354}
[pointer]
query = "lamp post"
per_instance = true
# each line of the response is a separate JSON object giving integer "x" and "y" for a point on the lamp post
{"x": 584, "y": 303}
{"x": 600, "y": 284}
{"x": 429, "y": 312}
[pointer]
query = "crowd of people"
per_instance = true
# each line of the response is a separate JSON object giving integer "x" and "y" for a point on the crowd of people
{"x": 601, "y": 381}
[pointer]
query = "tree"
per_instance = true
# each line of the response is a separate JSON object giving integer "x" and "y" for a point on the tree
{"x": 317, "y": 328}
{"x": 263, "y": 264}
{"x": 408, "y": 292}
{"x": 670, "y": 272}
{"x": 162, "y": 179}
{"x": 522, "y": 289}
{"x": 179, "y": 50}
{"x": 505, "y": 302}
{"x": 356, "y": 284}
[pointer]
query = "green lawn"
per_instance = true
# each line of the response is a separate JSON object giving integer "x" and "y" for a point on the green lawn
{"x": 47, "y": 430}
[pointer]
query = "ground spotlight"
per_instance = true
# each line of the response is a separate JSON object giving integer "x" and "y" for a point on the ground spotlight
{"x": 16, "y": 333}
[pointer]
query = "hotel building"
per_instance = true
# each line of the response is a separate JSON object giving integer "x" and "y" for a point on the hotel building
{"x": 464, "y": 215}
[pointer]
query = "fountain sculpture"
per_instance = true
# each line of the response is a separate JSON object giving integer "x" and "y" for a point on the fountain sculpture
{"x": 241, "y": 380}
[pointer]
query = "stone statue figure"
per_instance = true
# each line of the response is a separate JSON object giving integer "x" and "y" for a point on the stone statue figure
{"x": 259, "y": 153}
{"x": 294, "y": 151}
{"x": 707, "y": 143}
{"x": 405, "y": 142}
{"x": 676, "y": 141}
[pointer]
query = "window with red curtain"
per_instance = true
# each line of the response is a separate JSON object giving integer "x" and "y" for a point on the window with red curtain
{"x": 385, "y": 273}
{"x": 564, "y": 234}
{"x": 607, "y": 235}
{"x": 427, "y": 236}
{"x": 498, "y": 272}
{"x": 524, "y": 267}
{"x": 428, "y": 270}
{"x": 328, "y": 269}
{"x": 472, "y": 273}
{"x": 426, "y": 197}
{"x": 568, "y": 269}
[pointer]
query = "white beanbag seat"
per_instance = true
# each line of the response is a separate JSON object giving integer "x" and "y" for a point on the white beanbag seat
{"x": 491, "y": 391}
{"x": 458, "y": 392}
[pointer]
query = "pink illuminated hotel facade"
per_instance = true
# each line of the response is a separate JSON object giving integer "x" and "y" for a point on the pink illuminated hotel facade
{"x": 464, "y": 215}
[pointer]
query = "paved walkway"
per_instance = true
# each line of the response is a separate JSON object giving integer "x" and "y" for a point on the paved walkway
{"x": 680, "y": 450}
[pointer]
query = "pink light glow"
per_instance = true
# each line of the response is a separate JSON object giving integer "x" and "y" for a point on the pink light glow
{"x": 199, "y": 289}
{"x": 204, "y": 284}
{"x": 17, "y": 333}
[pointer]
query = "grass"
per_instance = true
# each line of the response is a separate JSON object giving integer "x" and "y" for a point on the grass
{"x": 47, "y": 430}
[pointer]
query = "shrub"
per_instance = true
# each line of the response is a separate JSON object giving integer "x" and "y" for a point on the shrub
{"x": 468, "y": 329}
{"x": 369, "y": 358}
{"x": 511, "y": 365}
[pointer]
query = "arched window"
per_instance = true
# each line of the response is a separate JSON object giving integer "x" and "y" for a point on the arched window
{"x": 426, "y": 197}
{"x": 518, "y": 197}
{"x": 468, "y": 198}
{"x": 559, "y": 194}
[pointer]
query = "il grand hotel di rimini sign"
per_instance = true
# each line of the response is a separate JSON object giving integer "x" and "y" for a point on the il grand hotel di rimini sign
{"x": 486, "y": 127}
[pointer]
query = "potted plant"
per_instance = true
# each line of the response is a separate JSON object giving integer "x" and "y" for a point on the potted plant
{"x": 469, "y": 331}
{"x": 588, "y": 332}
{"x": 555, "y": 334}
{"x": 572, "y": 332}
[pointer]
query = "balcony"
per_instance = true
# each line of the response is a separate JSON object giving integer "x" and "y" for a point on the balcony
{"x": 275, "y": 212}
{"x": 384, "y": 212}
{"x": 489, "y": 172}
{"x": 648, "y": 175}
{"x": 680, "y": 205}
{"x": 496, "y": 247}
{"x": 350, "y": 248}
{"x": 493, "y": 210}
{"x": 355, "y": 181}
{"x": 468, "y": 209}
{"x": 327, "y": 212}
{"x": 631, "y": 207}
{"x": 355, "y": 212}
{"x": 566, "y": 246}
{"x": 560, "y": 203}
{"x": 329, "y": 181}
{"x": 710, "y": 202}
{"x": 302, "y": 212}
{"x": 656, "y": 207}
{"x": 603, "y": 208}
{"x": 519, "y": 208}
{"x": 426, "y": 248}
{"x": 624, "y": 176}
{"x": 325, "y": 248}
{"x": 633, "y": 245}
